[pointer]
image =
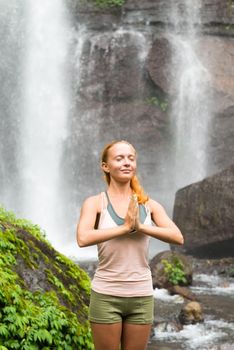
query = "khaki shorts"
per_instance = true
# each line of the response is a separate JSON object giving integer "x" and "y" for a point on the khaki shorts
{"x": 111, "y": 309}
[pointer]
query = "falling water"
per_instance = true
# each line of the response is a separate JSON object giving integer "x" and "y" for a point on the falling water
{"x": 11, "y": 41}
{"x": 191, "y": 110}
{"x": 45, "y": 109}
{"x": 88, "y": 137}
{"x": 46, "y": 170}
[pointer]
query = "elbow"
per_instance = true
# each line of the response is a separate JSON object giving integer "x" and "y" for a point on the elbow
{"x": 83, "y": 240}
{"x": 80, "y": 241}
{"x": 180, "y": 239}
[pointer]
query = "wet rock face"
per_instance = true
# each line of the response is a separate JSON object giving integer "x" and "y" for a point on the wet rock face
{"x": 216, "y": 14}
{"x": 216, "y": 53}
{"x": 159, "y": 63}
{"x": 204, "y": 213}
{"x": 113, "y": 67}
{"x": 127, "y": 74}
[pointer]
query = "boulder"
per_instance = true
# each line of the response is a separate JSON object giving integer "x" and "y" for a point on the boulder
{"x": 160, "y": 279}
{"x": 159, "y": 64}
{"x": 204, "y": 213}
{"x": 191, "y": 313}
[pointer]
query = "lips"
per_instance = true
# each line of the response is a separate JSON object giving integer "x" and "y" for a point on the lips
{"x": 127, "y": 171}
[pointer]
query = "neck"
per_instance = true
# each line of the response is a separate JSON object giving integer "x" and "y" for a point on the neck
{"x": 121, "y": 190}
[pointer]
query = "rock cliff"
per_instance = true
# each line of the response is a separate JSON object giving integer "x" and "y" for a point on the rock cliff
{"x": 125, "y": 87}
{"x": 204, "y": 213}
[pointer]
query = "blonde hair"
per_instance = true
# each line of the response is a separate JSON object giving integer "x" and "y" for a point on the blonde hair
{"x": 134, "y": 183}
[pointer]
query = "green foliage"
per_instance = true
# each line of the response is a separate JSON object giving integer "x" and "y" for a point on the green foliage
{"x": 37, "y": 319}
{"x": 108, "y": 3}
{"x": 229, "y": 7}
{"x": 229, "y": 28}
{"x": 174, "y": 270}
{"x": 155, "y": 101}
{"x": 230, "y": 271}
{"x": 9, "y": 220}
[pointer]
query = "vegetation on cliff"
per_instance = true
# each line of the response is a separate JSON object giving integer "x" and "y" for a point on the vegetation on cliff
{"x": 108, "y": 3}
{"x": 43, "y": 294}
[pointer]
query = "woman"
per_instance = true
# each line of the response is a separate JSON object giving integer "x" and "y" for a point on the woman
{"x": 119, "y": 221}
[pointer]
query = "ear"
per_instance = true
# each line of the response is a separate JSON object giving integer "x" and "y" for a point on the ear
{"x": 105, "y": 167}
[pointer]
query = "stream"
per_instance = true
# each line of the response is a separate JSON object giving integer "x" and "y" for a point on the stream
{"x": 214, "y": 290}
{"x": 216, "y": 296}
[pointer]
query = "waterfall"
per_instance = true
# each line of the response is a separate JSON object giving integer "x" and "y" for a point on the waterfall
{"x": 11, "y": 38}
{"x": 191, "y": 110}
{"x": 44, "y": 115}
{"x": 61, "y": 123}
{"x": 91, "y": 51}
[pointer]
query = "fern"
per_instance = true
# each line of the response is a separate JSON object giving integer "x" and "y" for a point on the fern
{"x": 37, "y": 320}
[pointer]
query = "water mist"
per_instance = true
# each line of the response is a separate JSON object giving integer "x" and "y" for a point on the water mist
{"x": 191, "y": 112}
{"x": 45, "y": 108}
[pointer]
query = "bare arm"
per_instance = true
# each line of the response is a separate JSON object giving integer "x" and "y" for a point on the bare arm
{"x": 165, "y": 229}
{"x": 87, "y": 235}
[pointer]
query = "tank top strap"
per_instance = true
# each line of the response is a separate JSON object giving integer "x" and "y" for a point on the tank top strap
{"x": 107, "y": 197}
{"x": 147, "y": 207}
{"x": 118, "y": 220}
{"x": 103, "y": 201}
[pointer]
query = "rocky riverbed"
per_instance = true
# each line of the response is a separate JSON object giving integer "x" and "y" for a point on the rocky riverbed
{"x": 213, "y": 285}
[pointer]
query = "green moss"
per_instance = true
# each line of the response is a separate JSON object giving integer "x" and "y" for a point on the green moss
{"x": 108, "y": 3}
{"x": 49, "y": 313}
{"x": 60, "y": 287}
{"x": 39, "y": 253}
{"x": 229, "y": 7}
{"x": 229, "y": 28}
{"x": 155, "y": 101}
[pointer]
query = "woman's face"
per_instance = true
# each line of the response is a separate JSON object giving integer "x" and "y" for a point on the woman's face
{"x": 121, "y": 162}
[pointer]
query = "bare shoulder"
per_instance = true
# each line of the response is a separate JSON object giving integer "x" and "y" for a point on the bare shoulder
{"x": 155, "y": 206}
{"x": 159, "y": 215}
{"x": 92, "y": 203}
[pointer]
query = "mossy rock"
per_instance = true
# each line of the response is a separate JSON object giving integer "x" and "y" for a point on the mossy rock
{"x": 159, "y": 276}
{"x": 44, "y": 295}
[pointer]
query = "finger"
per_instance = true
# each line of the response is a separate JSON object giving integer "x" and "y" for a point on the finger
{"x": 130, "y": 218}
{"x": 132, "y": 212}
{"x": 132, "y": 206}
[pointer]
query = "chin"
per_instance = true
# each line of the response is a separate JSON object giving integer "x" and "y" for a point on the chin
{"x": 125, "y": 178}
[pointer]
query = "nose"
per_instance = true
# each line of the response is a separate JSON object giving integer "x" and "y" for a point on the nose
{"x": 126, "y": 162}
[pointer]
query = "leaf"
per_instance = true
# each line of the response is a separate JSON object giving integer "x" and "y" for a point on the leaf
{"x": 4, "y": 330}
{"x": 43, "y": 335}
